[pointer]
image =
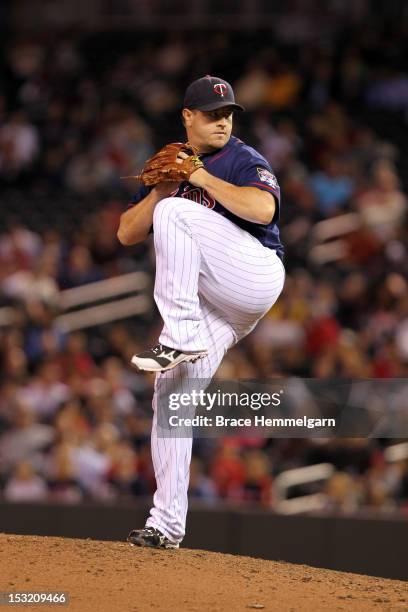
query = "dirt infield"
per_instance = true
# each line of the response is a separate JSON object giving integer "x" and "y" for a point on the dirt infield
{"x": 110, "y": 576}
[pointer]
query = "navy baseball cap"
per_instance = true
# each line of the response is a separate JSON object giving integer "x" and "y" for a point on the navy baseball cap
{"x": 210, "y": 93}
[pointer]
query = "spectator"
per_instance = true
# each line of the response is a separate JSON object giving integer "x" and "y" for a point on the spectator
{"x": 25, "y": 437}
{"x": 45, "y": 393}
{"x": 124, "y": 473}
{"x": 201, "y": 486}
{"x": 19, "y": 144}
{"x": 342, "y": 493}
{"x": 257, "y": 485}
{"x": 25, "y": 485}
{"x": 63, "y": 483}
{"x": 383, "y": 207}
{"x": 228, "y": 471}
{"x": 80, "y": 269}
{"x": 332, "y": 187}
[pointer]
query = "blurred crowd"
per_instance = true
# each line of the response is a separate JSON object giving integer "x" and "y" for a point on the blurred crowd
{"x": 78, "y": 113}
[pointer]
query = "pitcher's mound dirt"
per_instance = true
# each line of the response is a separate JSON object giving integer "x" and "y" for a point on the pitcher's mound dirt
{"x": 115, "y": 576}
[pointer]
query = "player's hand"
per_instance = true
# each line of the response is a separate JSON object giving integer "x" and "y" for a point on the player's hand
{"x": 165, "y": 189}
{"x": 198, "y": 176}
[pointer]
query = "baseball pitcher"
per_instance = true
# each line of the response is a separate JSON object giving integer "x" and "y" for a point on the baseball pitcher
{"x": 212, "y": 204}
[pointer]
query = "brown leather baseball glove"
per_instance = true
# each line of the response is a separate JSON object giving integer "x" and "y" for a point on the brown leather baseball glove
{"x": 164, "y": 165}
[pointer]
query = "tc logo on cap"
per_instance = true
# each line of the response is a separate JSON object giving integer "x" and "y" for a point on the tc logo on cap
{"x": 220, "y": 89}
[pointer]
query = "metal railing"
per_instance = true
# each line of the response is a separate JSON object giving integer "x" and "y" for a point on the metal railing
{"x": 122, "y": 297}
{"x": 301, "y": 476}
{"x": 396, "y": 452}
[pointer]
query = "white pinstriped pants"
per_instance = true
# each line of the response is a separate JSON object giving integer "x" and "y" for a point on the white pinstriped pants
{"x": 214, "y": 281}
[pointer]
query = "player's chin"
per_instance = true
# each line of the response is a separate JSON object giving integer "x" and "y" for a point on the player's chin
{"x": 219, "y": 140}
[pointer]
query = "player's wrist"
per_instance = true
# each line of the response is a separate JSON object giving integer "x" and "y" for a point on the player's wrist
{"x": 164, "y": 189}
{"x": 199, "y": 178}
{"x": 155, "y": 195}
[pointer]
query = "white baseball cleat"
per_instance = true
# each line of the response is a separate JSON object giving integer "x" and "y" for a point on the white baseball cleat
{"x": 161, "y": 358}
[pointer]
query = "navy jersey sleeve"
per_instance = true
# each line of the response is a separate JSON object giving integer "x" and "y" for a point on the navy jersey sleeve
{"x": 254, "y": 171}
{"x": 142, "y": 192}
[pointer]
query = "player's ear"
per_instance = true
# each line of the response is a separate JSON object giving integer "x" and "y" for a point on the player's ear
{"x": 187, "y": 115}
